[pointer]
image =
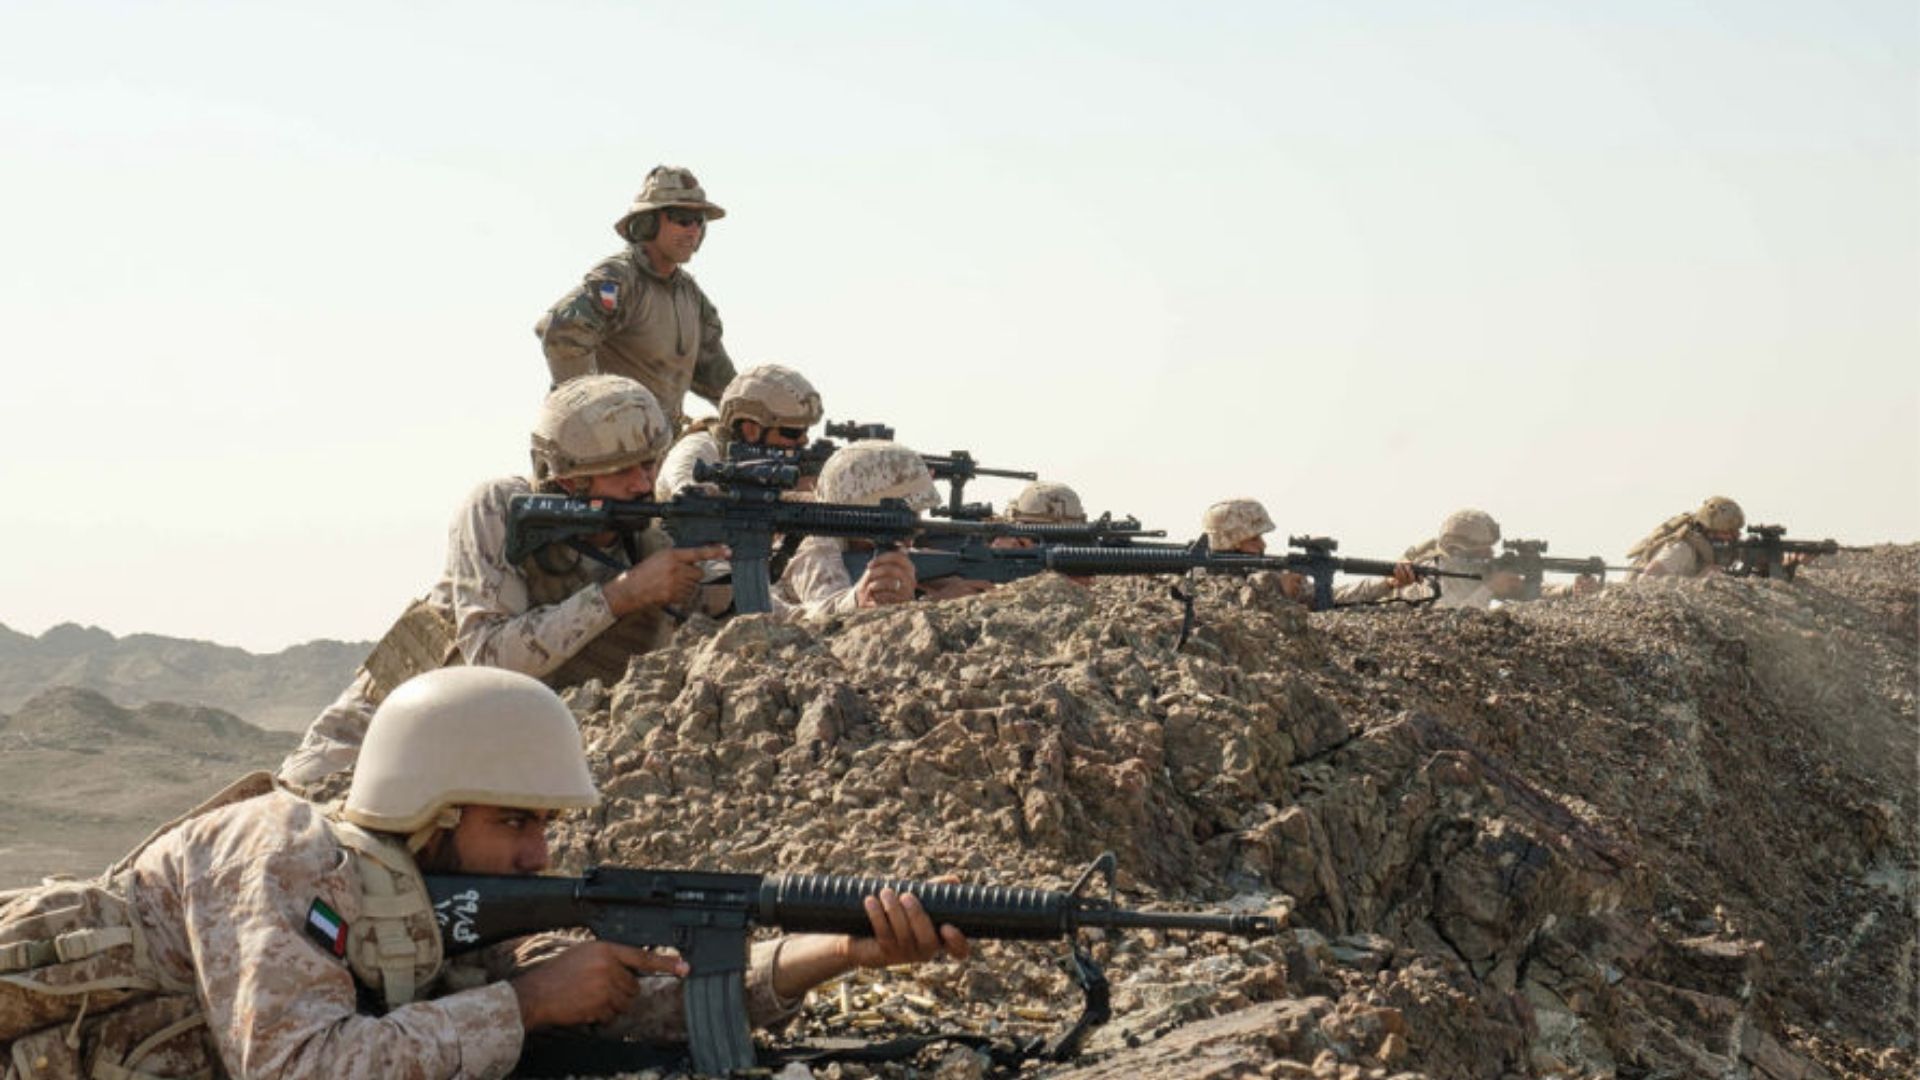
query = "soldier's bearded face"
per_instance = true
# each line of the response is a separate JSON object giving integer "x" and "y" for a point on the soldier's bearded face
{"x": 491, "y": 840}
{"x": 1252, "y": 545}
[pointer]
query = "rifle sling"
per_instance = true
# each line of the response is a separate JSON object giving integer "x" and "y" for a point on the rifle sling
{"x": 547, "y": 1055}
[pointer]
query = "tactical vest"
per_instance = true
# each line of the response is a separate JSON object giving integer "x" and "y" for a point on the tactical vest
{"x": 555, "y": 573}
{"x": 1678, "y": 529}
{"x": 394, "y": 947}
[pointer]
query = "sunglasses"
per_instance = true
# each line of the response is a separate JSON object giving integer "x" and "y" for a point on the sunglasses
{"x": 792, "y": 432}
{"x": 684, "y": 217}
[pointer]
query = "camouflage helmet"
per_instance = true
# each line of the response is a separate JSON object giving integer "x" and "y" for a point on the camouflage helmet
{"x": 1047, "y": 503}
{"x": 1233, "y": 522}
{"x": 466, "y": 736}
{"x": 866, "y": 472}
{"x": 597, "y": 424}
{"x": 772, "y": 396}
{"x": 1469, "y": 532}
{"x": 666, "y": 185}
{"x": 1720, "y": 514}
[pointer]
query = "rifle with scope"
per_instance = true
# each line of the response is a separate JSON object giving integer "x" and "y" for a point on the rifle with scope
{"x": 1529, "y": 560}
{"x": 708, "y": 918}
{"x": 956, "y": 468}
{"x": 741, "y": 506}
{"x": 1764, "y": 552}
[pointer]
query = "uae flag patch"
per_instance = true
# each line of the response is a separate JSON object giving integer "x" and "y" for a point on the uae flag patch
{"x": 327, "y": 927}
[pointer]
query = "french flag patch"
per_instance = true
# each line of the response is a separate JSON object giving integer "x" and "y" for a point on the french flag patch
{"x": 327, "y": 927}
{"x": 608, "y": 294}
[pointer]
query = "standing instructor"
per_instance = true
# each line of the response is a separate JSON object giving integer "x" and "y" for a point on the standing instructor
{"x": 638, "y": 313}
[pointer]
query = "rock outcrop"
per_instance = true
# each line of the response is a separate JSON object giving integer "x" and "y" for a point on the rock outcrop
{"x": 1668, "y": 830}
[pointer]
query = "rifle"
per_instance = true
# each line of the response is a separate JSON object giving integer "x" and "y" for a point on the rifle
{"x": 1316, "y": 560}
{"x": 1763, "y": 552}
{"x": 1528, "y": 559}
{"x": 707, "y": 917}
{"x": 745, "y": 513}
{"x": 982, "y": 562}
{"x": 956, "y": 468}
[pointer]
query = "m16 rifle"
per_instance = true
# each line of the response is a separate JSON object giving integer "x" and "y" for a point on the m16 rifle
{"x": 956, "y": 468}
{"x": 1764, "y": 552}
{"x": 707, "y": 917}
{"x": 1316, "y": 560}
{"x": 982, "y": 562}
{"x": 1529, "y": 560}
{"x": 740, "y": 505}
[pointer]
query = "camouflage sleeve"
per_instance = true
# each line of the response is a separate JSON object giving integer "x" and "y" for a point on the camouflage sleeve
{"x": 676, "y": 472}
{"x": 571, "y": 331}
{"x": 332, "y": 743}
{"x": 818, "y": 579}
{"x": 1366, "y": 591}
{"x": 713, "y": 369}
{"x": 278, "y": 1005}
{"x": 495, "y": 621}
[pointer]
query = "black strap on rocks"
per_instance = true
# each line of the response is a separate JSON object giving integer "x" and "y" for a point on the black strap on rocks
{"x": 1186, "y": 618}
{"x": 584, "y": 1055}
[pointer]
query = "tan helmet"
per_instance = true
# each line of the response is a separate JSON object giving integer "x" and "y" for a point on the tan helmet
{"x": 1047, "y": 503}
{"x": 597, "y": 424}
{"x": 1233, "y": 522}
{"x": 772, "y": 396}
{"x": 1720, "y": 514}
{"x": 666, "y": 185}
{"x": 866, "y": 472}
{"x": 1469, "y": 532}
{"x": 467, "y": 736}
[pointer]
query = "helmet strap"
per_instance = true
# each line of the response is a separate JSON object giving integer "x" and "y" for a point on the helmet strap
{"x": 447, "y": 818}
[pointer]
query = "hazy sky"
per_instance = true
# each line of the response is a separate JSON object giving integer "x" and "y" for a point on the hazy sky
{"x": 268, "y": 271}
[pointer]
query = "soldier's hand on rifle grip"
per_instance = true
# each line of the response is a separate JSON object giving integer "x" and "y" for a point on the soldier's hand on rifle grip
{"x": 1404, "y": 575}
{"x": 889, "y": 579}
{"x": 664, "y": 579}
{"x": 591, "y": 983}
{"x": 1586, "y": 585}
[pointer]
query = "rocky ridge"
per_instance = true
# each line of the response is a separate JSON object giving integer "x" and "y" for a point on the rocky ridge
{"x": 281, "y": 691}
{"x": 1668, "y": 830}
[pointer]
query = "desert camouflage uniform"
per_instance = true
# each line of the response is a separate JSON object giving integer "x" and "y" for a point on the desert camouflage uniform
{"x": 676, "y": 471}
{"x": 224, "y": 901}
{"x": 817, "y": 580}
{"x": 495, "y": 623}
{"x": 625, "y": 319}
{"x": 1682, "y": 558}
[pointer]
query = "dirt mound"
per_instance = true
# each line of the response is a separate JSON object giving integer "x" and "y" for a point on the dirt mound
{"x": 1668, "y": 830}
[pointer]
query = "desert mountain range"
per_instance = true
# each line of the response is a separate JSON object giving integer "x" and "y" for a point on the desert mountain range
{"x": 279, "y": 691}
